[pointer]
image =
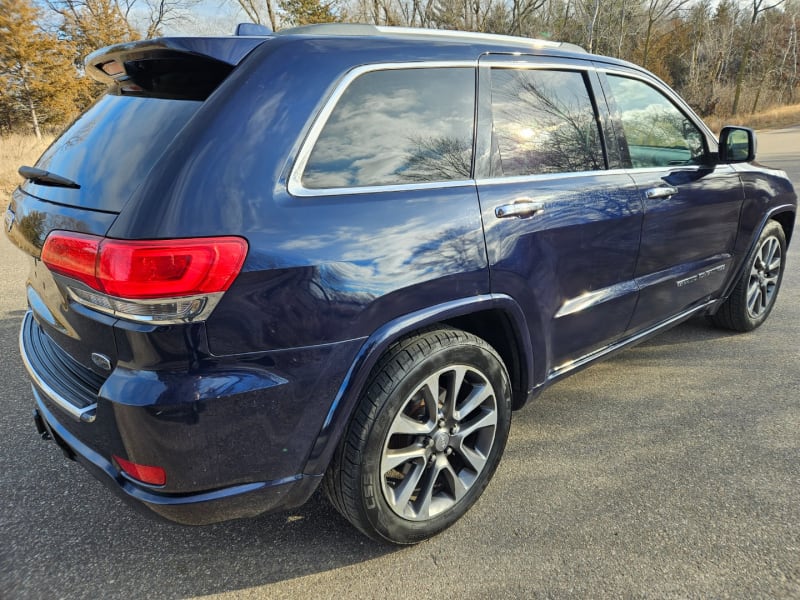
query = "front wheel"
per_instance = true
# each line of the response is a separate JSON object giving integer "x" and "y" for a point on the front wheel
{"x": 426, "y": 437}
{"x": 754, "y": 296}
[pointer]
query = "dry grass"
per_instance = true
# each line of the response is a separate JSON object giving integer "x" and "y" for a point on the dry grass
{"x": 774, "y": 118}
{"x": 16, "y": 150}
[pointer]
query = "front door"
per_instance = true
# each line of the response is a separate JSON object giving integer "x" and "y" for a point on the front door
{"x": 691, "y": 206}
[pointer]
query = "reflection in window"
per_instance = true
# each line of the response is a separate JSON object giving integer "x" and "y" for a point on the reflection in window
{"x": 658, "y": 134}
{"x": 397, "y": 126}
{"x": 544, "y": 122}
{"x": 110, "y": 149}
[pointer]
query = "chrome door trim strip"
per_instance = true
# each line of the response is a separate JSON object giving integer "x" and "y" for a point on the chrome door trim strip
{"x": 567, "y": 367}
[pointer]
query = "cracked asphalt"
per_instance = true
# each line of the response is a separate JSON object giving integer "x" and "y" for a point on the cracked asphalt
{"x": 669, "y": 471}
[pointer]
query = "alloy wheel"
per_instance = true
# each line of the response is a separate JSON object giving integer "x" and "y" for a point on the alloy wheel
{"x": 438, "y": 443}
{"x": 764, "y": 277}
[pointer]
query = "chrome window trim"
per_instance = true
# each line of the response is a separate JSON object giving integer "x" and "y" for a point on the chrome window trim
{"x": 295, "y": 184}
{"x": 655, "y": 82}
{"x": 646, "y": 170}
{"x": 574, "y": 174}
{"x": 532, "y": 62}
{"x": 550, "y": 176}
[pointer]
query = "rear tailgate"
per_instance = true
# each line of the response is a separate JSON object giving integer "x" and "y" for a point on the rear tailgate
{"x": 156, "y": 87}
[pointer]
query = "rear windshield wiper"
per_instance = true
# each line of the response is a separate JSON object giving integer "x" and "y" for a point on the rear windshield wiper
{"x": 46, "y": 177}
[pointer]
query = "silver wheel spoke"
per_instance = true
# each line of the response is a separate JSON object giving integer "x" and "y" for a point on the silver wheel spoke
{"x": 477, "y": 396}
{"x": 774, "y": 266}
{"x": 393, "y": 458}
{"x": 770, "y": 247}
{"x": 430, "y": 390}
{"x": 457, "y": 487}
{"x": 476, "y": 461}
{"x": 753, "y": 295}
{"x": 487, "y": 419}
{"x": 455, "y": 383}
{"x": 426, "y": 493}
{"x": 404, "y": 491}
{"x": 404, "y": 424}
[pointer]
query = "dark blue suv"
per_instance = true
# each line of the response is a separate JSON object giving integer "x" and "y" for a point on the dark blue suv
{"x": 344, "y": 255}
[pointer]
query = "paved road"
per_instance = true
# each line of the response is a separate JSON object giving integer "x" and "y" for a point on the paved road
{"x": 672, "y": 470}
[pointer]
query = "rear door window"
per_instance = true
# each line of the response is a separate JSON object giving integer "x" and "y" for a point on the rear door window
{"x": 395, "y": 127}
{"x": 543, "y": 122}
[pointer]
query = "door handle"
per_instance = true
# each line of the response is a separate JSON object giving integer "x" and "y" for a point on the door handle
{"x": 522, "y": 209}
{"x": 664, "y": 191}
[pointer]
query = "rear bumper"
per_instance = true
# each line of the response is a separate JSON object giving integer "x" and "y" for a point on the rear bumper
{"x": 232, "y": 434}
{"x": 233, "y": 502}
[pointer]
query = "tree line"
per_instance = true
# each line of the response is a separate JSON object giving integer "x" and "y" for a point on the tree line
{"x": 725, "y": 57}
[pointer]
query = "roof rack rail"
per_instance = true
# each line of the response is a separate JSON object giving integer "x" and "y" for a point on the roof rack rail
{"x": 478, "y": 37}
{"x": 369, "y": 30}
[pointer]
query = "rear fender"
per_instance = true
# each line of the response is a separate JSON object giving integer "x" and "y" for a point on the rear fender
{"x": 357, "y": 376}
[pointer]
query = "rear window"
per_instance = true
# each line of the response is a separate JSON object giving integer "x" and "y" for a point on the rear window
{"x": 110, "y": 149}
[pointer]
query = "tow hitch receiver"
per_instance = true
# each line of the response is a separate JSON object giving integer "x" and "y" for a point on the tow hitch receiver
{"x": 48, "y": 434}
{"x": 40, "y": 426}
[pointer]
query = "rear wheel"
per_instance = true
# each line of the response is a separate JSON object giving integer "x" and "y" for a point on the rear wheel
{"x": 754, "y": 296}
{"x": 426, "y": 437}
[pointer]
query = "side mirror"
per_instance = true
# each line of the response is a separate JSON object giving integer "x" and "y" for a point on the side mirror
{"x": 737, "y": 144}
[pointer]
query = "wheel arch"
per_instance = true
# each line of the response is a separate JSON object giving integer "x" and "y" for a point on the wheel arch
{"x": 784, "y": 215}
{"x": 500, "y": 311}
{"x": 786, "y": 220}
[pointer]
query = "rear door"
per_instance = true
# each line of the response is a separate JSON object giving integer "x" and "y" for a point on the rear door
{"x": 562, "y": 228}
{"x": 691, "y": 205}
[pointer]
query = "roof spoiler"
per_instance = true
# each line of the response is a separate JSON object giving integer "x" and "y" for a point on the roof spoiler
{"x": 170, "y": 67}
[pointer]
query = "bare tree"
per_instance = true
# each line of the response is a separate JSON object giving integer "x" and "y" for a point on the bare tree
{"x": 254, "y": 9}
{"x": 656, "y": 11}
{"x": 758, "y": 7}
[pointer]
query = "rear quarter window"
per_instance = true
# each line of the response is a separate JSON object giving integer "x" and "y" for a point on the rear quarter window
{"x": 397, "y": 126}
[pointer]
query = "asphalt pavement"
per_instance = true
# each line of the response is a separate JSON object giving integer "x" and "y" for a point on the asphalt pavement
{"x": 669, "y": 471}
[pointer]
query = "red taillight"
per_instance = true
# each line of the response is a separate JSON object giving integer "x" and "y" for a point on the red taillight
{"x": 169, "y": 269}
{"x": 144, "y": 473}
{"x": 146, "y": 269}
{"x": 73, "y": 255}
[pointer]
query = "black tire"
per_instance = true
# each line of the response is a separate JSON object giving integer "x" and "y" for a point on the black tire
{"x": 394, "y": 444}
{"x": 754, "y": 296}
